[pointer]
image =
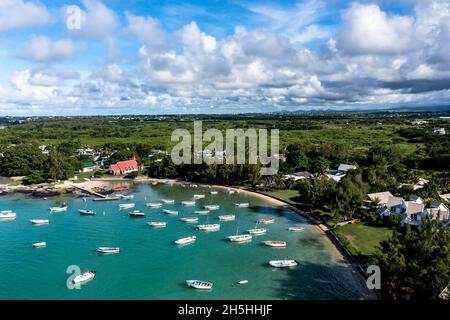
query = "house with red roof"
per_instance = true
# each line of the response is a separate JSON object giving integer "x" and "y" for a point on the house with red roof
{"x": 124, "y": 167}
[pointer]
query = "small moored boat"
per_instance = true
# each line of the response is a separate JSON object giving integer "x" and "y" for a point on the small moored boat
{"x": 212, "y": 207}
{"x": 108, "y": 250}
{"x": 199, "y": 196}
{"x": 296, "y": 229}
{"x": 171, "y": 212}
{"x": 201, "y": 212}
{"x": 87, "y": 212}
{"x": 199, "y": 284}
{"x": 7, "y": 214}
{"x": 58, "y": 209}
{"x": 227, "y": 217}
{"x": 188, "y": 203}
{"x": 242, "y": 205}
{"x": 242, "y": 282}
{"x": 39, "y": 244}
{"x": 126, "y": 197}
{"x": 124, "y": 206}
{"x": 168, "y": 201}
{"x": 189, "y": 219}
{"x": 157, "y": 224}
{"x": 39, "y": 221}
{"x": 186, "y": 240}
{"x": 240, "y": 238}
{"x": 153, "y": 205}
{"x": 85, "y": 276}
{"x": 208, "y": 227}
{"x": 286, "y": 263}
{"x": 230, "y": 191}
{"x": 257, "y": 231}
{"x": 213, "y": 192}
{"x": 277, "y": 244}
{"x": 136, "y": 213}
{"x": 266, "y": 221}
{"x": 105, "y": 199}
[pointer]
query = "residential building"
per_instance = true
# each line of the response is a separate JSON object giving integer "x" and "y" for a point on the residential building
{"x": 124, "y": 167}
{"x": 299, "y": 175}
{"x": 381, "y": 198}
{"x": 439, "y": 131}
{"x": 346, "y": 167}
{"x": 89, "y": 167}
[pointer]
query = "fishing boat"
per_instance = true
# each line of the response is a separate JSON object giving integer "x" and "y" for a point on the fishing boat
{"x": 157, "y": 224}
{"x": 186, "y": 240}
{"x": 39, "y": 244}
{"x": 208, "y": 227}
{"x": 171, "y": 212}
{"x": 136, "y": 213}
{"x": 296, "y": 229}
{"x": 277, "y": 244}
{"x": 212, "y": 207}
{"x": 39, "y": 221}
{"x": 286, "y": 263}
{"x": 85, "y": 276}
{"x": 87, "y": 212}
{"x": 199, "y": 196}
{"x": 257, "y": 231}
{"x": 230, "y": 191}
{"x": 124, "y": 206}
{"x": 7, "y": 214}
{"x": 126, "y": 197}
{"x": 242, "y": 282}
{"x": 108, "y": 250}
{"x": 202, "y": 212}
{"x": 120, "y": 188}
{"x": 213, "y": 192}
{"x": 240, "y": 238}
{"x": 58, "y": 209}
{"x": 189, "y": 219}
{"x": 227, "y": 217}
{"x": 266, "y": 221}
{"x": 242, "y": 205}
{"x": 105, "y": 199}
{"x": 154, "y": 205}
{"x": 199, "y": 284}
{"x": 168, "y": 201}
{"x": 188, "y": 203}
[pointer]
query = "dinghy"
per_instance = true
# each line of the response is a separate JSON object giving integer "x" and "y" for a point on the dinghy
{"x": 277, "y": 244}
{"x": 213, "y": 192}
{"x": 85, "y": 276}
{"x": 240, "y": 238}
{"x": 296, "y": 229}
{"x": 189, "y": 219}
{"x": 87, "y": 212}
{"x": 157, "y": 224}
{"x": 257, "y": 231}
{"x": 199, "y": 196}
{"x": 136, "y": 213}
{"x": 199, "y": 284}
{"x": 186, "y": 240}
{"x": 242, "y": 282}
{"x": 230, "y": 191}
{"x": 283, "y": 263}
{"x": 266, "y": 221}
{"x": 202, "y": 212}
{"x": 168, "y": 201}
{"x": 227, "y": 217}
{"x": 107, "y": 198}
{"x": 208, "y": 227}
{"x": 188, "y": 203}
{"x": 39, "y": 244}
{"x": 108, "y": 250}
{"x": 58, "y": 209}
{"x": 39, "y": 221}
{"x": 242, "y": 205}
{"x": 212, "y": 207}
{"x": 7, "y": 214}
{"x": 171, "y": 212}
{"x": 126, "y": 197}
{"x": 153, "y": 205}
{"x": 124, "y": 206}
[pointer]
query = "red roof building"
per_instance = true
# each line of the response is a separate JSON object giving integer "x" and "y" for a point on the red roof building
{"x": 123, "y": 167}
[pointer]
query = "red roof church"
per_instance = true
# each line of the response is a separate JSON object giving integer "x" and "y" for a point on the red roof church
{"x": 123, "y": 167}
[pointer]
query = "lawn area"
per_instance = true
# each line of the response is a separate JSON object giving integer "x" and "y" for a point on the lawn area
{"x": 285, "y": 195}
{"x": 361, "y": 239}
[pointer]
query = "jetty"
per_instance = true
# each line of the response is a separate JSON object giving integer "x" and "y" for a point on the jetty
{"x": 90, "y": 191}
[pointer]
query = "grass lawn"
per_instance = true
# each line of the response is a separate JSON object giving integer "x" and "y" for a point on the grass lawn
{"x": 361, "y": 239}
{"x": 287, "y": 195}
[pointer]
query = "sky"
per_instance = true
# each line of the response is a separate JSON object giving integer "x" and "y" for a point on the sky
{"x": 96, "y": 57}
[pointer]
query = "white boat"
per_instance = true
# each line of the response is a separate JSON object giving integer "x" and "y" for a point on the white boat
{"x": 213, "y": 192}
{"x": 136, "y": 213}
{"x": 58, "y": 209}
{"x": 286, "y": 263}
{"x": 126, "y": 197}
{"x": 154, "y": 205}
{"x": 201, "y": 212}
{"x": 168, "y": 201}
{"x": 199, "y": 196}
{"x": 212, "y": 207}
{"x": 157, "y": 224}
{"x": 296, "y": 229}
{"x": 242, "y": 282}
{"x": 168, "y": 183}
{"x": 266, "y": 221}
{"x": 108, "y": 250}
{"x": 84, "y": 276}
{"x": 39, "y": 221}
{"x": 39, "y": 244}
{"x": 186, "y": 240}
{"x": 257, "y": 231}
{"x": 7, "y": 214}
{"x": 277, "y": 244}
{"x": 87, "y": 212}
{"x": 227, "y": 217}
{"x": 188, "y": 203}
{"x": 124, "y": 206}
{"x": 230, "y": 191}
{"x": 189, "y": 219}
{"x": 208, "y": 227}
{"x": 199, "y": 284}
{"x": 240, "y": 238}
{"x": 242, "y": 205}
{"x": 171, "y": 212}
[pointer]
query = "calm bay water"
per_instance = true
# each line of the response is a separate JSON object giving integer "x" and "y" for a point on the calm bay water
{"x": 150, "y": 266}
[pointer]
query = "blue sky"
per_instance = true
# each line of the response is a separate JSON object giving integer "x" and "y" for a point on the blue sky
{"x": 153, "y": 57}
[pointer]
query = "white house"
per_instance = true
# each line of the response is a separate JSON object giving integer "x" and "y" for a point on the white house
{"x": 380, "y": 197}
{"x": 346, "y": 167}
{"x": 439, "y": 131}
{"x": 335, "y": 175}
{"x": 299, "y": 175}
{"x": 414, "y": 213}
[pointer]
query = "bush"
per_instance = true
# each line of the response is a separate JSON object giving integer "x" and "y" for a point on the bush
{"x": 132, "y": 175}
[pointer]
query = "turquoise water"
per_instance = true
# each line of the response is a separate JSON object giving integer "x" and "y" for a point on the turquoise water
{"x": 150, "y": 266}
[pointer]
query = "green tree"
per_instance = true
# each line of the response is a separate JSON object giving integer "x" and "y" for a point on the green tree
{"x": 319, "y": 165}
